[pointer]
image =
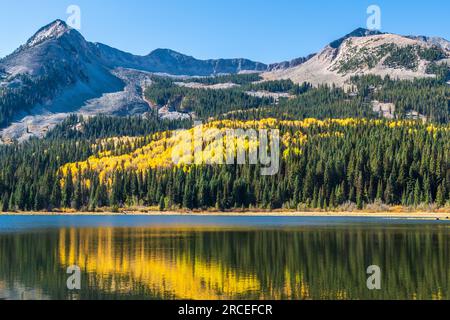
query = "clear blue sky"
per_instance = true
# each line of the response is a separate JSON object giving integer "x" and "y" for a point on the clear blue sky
{"x": 262, "y": 30}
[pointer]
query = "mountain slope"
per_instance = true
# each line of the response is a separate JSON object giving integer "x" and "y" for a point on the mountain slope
{"x": 57, "y": 72}
{"x": 357, "y": 33}
{"x": 367, "y": 53}
{"x": 171, "y": 62}
{"x": 360, "y": 32}
{"x": 289, "y": 64}
{"x": 436, "y": 41}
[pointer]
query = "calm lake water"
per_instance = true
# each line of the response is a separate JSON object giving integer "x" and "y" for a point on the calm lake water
{"x": 223, "y": 257}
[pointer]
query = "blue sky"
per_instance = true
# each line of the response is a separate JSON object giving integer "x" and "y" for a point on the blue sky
{"x": 262, "y": 30}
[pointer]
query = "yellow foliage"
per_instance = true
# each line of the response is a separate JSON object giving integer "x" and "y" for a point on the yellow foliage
{"x": 216, "y": 145}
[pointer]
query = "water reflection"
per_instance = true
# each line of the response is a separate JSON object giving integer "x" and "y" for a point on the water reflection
{"x": 220, "y": 263}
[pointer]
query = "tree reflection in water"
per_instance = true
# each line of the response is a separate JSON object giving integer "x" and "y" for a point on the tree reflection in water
{"x": 309, "y": 262}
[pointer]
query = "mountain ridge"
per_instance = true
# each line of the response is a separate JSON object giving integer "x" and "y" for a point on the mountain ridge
{"x": 363, "y": 52}
{"x": 58, "y": 72}
{"x": 153, "y": 62}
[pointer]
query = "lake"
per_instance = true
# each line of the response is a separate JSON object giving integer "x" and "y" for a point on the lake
{"x": 193, "y": 257}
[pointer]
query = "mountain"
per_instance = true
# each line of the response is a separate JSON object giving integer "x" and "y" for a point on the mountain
{"x": 360, "y": 32}
{"x": 289, "y": 64}
{"x": 369, "y": 52}
{"x": 171, "y": 62}
{"x": 357, "y": 33}
{"x": 54, "y": 72}
{"x": 57, "y": 72}
{"x": 26, "y": 58}
{"x": 55, "y": 46}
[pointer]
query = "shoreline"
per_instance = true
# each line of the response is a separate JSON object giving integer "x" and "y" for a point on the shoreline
{"x": 388, "y": 215}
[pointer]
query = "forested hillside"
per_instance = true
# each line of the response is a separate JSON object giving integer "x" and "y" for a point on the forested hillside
{"x": 429, "y": 98}
{"x": 324, "y": 164}
{"x": 337, "y": 152}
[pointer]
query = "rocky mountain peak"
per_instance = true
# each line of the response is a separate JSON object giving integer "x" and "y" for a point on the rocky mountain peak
{"x": 357, "y": 33}
{"x": 51, "y": 31}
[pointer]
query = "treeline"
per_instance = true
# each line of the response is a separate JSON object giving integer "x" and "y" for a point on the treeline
{"x": 365, "y": 163}
{"x": 205, "y": 103}
{"x": 407, "y": 57}
{"x": 428, "y": 97}
{"x": 98, "y": 127}
{"x": 278, "y": 86}
{"x": 28, "y": 173}
{"x": 240, "y": 79}
{"x": 324, "y": 102}
{"x": 394, "y": 166}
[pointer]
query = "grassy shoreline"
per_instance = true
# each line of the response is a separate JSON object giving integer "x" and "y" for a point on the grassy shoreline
{"x": 408, "y": 215}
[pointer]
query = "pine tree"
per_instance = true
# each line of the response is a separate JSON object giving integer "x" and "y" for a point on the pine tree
{"x": 77, "y": 200}
{"x": 440, "y": 199}
{"x": 55, "y": 198}
{"x": 417, "y": 194}
{"x": 67, "y": 190}
{"x": 161, "y": 204}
